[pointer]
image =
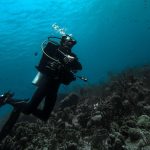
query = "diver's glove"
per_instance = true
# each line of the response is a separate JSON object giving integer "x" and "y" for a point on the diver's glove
{"x": 68, "y": 59}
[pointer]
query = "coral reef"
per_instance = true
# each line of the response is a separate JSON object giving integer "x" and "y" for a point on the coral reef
{"x": 112, "y": 116}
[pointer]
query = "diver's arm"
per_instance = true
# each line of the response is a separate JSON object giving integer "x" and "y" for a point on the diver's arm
{"x": 74, "y": 63}
{"x": 69, "y": 60}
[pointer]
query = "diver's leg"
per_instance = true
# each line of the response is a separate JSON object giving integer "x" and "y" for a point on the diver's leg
{"x": 9, "y": 124}
{"x": 50, "y": 101}
{"x": 18, "y": 104}
{"x": 36, "y": 99}
{"x": 28, "y": 107}
{"x": 49, "y": 104}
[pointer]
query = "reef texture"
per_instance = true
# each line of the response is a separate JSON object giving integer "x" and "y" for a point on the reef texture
{"x": 112, "y": 116}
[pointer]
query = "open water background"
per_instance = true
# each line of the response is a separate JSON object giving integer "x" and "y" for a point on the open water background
{"x": 111, "y": 35}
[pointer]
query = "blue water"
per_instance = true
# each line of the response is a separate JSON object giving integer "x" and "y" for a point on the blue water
{"x": 111, "y": 35}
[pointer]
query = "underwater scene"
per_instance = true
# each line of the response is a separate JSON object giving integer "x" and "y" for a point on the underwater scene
{"x": 75, "y": 75}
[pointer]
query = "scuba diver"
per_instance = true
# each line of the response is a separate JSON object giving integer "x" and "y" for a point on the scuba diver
{"x": 57, "y": 66}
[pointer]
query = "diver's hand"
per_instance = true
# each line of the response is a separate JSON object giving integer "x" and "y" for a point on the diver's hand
{"x": 68, "y": 59}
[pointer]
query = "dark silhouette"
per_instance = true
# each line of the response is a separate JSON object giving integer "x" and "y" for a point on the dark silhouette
{"x": 57, "y": 66}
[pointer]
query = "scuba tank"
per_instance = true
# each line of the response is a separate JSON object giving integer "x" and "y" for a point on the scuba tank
{"x": 41, "y": 78}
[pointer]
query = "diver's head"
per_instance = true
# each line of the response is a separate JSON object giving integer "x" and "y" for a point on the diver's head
{"x": 67, "y": 41}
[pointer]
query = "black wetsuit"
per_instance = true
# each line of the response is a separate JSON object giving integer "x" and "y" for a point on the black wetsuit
{"x": 55, "y": 75}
